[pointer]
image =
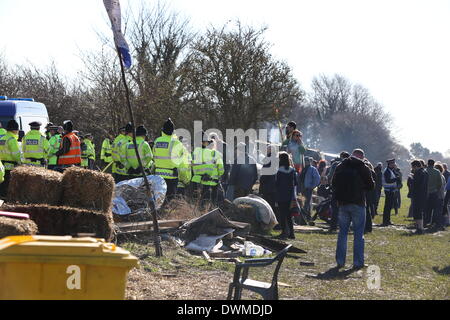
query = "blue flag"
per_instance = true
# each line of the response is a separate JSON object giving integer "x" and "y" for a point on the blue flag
{"x": 115, "y": 15}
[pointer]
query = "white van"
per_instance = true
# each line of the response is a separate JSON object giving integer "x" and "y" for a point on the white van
{"x": 24, "y": 111}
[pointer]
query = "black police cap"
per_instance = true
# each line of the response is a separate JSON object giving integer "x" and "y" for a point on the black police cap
{"x": 35, "y": 124}
{"x": 12, "y": 125}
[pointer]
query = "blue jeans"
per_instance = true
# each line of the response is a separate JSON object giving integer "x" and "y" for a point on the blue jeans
{"x": 357, "y": 216}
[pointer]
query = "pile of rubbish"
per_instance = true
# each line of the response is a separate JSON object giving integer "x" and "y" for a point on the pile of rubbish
{"x": 214, "y": 236}
{"x": 221, "y": 238}
{"x": 223, "y": 233}
{"x": 264, "y": 214}
{"x": 131, "y": 197}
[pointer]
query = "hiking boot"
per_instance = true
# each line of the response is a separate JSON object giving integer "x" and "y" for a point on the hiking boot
{"x": 292, "y": 237}
{"x": 418, "y": 232}
{"x": 281, "y": 237}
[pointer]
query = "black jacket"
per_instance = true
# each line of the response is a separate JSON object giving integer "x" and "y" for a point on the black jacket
{"x": 286, "y": 181}
{"x": 419, "y": 188}
{"x": 268, "y": 183}
{"x": 244, "y": 176}
{"x": 65, "y": 147}
{"x": 351, "y": 181}
{"x": 379, "y": 180}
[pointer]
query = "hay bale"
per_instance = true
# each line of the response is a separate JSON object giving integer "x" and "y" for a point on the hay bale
{"x": 87, "y": 189}
{"x": 17, "y": 227}
{"x": 33, "y": 185}
{"x": 62, "y": 221}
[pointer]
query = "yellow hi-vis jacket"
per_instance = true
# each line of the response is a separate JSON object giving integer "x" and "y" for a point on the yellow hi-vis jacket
{"x": 186, "y": 170}
{"x": 207, "y": 166}
{"x": 35, "y": 147}
{"x": 169, "y": 161}
{"x": 55, "y": 143}
{"x": 2, "y": 172}
{"x": 145, "y": 152}
{"x": 9, "y": 151}
{"x": 118, "y": 154}
{"x": 106, "y": 152}
{"x": 2, "y": 132}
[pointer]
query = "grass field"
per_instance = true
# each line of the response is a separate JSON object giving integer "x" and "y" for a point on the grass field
{"x": 412, "y": 267}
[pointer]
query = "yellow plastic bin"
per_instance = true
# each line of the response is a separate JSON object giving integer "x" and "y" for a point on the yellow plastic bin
{"x": 63, "y": 268}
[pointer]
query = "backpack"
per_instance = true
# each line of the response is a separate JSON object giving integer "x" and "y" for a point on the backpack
{"x": 347, "y": 183}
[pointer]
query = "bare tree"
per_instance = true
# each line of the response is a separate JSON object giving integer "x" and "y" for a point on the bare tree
{"x": 160, "y": 39}
{"x": 235, "y": 80}
{"x": 343, "y": 116}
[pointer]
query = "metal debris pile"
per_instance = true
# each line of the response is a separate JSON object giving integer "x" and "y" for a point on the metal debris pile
{"x": 213, "y": 236}
{"x": 130, "y": 197}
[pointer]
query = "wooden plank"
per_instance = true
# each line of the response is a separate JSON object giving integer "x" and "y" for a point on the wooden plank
{"x": 164, "y": 223}
{"x": 146, "y": 225}
{"x": 207, "y": 257}
{"x": 233, "y": 260}
{"x": 282, "y": 284}
{"x": 242, "y": 225}
{"x": 148, "y": 231}
{"x": 306, "y": 229}
{"x": 225, "y": 254}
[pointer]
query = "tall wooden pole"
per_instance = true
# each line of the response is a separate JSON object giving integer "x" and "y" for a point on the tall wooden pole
{"x": 151, "y": 205}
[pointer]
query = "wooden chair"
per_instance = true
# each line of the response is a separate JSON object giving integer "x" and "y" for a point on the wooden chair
{"x": 269, "y": 291}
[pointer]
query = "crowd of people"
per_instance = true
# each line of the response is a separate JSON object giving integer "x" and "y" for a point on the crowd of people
{"x": 204, "y": 171}
{"x": 429, "y": 191}
{"x": 59, "y": 148}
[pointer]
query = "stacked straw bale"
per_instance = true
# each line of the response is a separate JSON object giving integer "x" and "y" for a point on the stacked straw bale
{"x": 33, "y": 185}
{"x": 17, "y": 227}
{"x": 78, "y": 201}
{"x": 87, "y": 189}
{"x": 62, "y": 221}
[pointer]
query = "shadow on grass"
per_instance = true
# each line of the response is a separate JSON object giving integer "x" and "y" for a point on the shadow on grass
{"x": 333, "y": 274}
{"x": 444, "y": 271}
{"x": 410, "y": 234}
{"x": 429, "y": 231}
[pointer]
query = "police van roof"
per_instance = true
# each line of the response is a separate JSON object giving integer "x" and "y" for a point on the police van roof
{"x": 21, "y": 106}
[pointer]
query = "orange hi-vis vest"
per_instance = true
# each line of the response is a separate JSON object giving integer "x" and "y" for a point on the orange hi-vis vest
{"x": 74, "y": 155}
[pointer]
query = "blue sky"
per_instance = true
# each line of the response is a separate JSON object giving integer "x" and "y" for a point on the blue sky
{"x": 399, "y": 50}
